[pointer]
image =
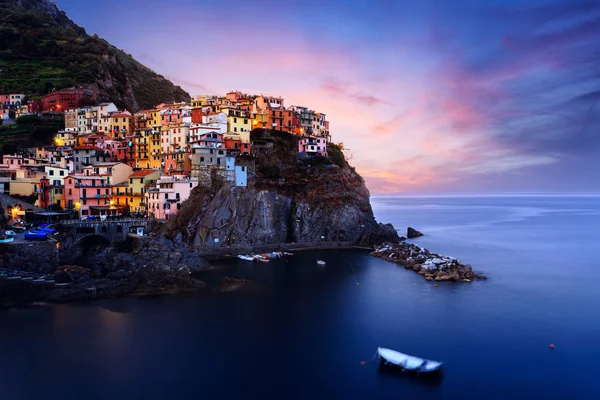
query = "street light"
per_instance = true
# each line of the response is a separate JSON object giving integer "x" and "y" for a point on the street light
{"x": 78, "y": 207}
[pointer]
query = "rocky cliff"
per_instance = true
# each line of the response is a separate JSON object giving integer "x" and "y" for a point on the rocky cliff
{"x": 311, "y": 201}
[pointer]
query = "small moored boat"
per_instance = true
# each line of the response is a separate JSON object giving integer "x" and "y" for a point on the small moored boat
{"x": 392, "y": 358}
{"x": 321, "y": 262}
{"x": 245, "y": 257}
{"x": 6, "y": 239}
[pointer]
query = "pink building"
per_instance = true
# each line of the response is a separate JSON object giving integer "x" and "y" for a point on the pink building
{"x": 91, "y": 191}
{"x": 12, "y": 161}
{"x": 310, "y": 146}
{"x": 165, "y": 200}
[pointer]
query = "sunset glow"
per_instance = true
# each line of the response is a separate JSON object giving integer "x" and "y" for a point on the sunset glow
{"x": 425, "y": 101}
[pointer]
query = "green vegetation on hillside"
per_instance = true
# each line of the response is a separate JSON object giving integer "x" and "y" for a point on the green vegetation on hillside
{"x": 42, "y": 50}
{"x": 29, "y": 131}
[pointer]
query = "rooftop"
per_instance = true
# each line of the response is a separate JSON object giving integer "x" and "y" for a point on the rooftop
{"x": 142, "y": 173}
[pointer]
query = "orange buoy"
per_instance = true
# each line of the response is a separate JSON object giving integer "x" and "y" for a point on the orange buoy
{"x": 363, "y": 362}
{"x": 551, "y": 347}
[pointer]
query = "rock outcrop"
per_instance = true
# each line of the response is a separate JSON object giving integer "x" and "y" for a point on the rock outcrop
{"x": 412, "y": 233}
{"x": 287, "y": 201}
{"x": 432, "y": 266}
{"x": 154, "y": 266}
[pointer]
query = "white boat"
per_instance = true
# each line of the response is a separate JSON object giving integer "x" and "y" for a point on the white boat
{"x": 245, "y": 257}
{"x": 10, "y": 233}
{"x": 288, "y": 254}
{"x": 321, "y": 262}
{"x": 262, "y": 259}
{"x": 407, "y": 363}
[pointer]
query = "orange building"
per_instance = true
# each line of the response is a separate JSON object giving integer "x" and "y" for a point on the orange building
{"x": 234, "y": 144}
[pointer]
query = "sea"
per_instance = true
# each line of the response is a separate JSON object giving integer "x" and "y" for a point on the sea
{"x": 302, "y": 331}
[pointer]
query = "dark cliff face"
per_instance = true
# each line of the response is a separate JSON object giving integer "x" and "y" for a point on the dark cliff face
{"x": 41, "y": 49}
{"x": 288, "y": 202}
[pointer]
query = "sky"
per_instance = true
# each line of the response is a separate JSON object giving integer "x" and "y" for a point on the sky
{"x": 469, "y": 96}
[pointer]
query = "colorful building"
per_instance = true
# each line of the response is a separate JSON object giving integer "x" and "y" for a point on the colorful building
{"x": 12, "y": 99}
{"x": 310, "y": 146}
{"x": 91, "y": 191}
{"x": 165, "y": 199}
{"x": 66, "y": 99}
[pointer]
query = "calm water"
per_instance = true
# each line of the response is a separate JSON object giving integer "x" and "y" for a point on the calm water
{"x": 303, "y": 335}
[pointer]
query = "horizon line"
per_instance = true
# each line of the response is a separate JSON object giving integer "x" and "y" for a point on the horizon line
{"x": 466, "y": 195}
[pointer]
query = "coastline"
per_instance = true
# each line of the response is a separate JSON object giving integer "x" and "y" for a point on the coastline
{"x": 225, "y": 253}
{"x": 157, "y": 275}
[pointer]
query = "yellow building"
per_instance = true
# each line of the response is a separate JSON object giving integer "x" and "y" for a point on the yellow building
{"x": 139, "y": 182}
{"x": 156, "y": 118}
{"x": 154, "y": 154}
{"x": 142, "y": 145}
{"x": 121, "y": 125}
{"x": 120, "y": 194}
{"x": 200, "y": 101}
{"x": 25, "y": 183}
{"x": 65, "y": 138}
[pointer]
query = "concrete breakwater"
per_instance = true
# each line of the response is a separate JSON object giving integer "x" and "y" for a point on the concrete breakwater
{"x": 432, "y": 266}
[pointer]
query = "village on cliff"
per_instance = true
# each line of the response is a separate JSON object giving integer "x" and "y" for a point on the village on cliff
{"x": 108, "y": 161}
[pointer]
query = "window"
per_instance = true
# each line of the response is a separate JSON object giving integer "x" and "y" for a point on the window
{"x": 235, "y": 120}
{"x": 70, "y": 192}
{"x": 130, "y": 180}
{"x": 190, "y": 184}
{"x": 61, "y": 172}
{"x": 51, "y": 172}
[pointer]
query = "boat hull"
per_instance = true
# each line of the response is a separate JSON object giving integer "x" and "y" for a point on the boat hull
{"x": 408, "y": 364}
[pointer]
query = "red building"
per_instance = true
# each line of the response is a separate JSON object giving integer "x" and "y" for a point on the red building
{"x": 44, "y": 193}
{"x": 197, "y": 115}
{"x": 34, "y": 106}
{"x": 66, "y": 99}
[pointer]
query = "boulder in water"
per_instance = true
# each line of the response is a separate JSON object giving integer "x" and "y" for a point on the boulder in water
{"x": 412, "y": 233}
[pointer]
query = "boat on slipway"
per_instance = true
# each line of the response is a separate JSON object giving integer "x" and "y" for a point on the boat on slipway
{"x": 262, "y": 257}
{"x": 395, "y": 359}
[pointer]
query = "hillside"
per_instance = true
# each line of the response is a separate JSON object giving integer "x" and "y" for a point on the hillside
{"x": 41, "y": 49}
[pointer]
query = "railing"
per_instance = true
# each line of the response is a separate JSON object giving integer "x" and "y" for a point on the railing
{"x": 92, "y": 185}
{"x": 109, "y": 221}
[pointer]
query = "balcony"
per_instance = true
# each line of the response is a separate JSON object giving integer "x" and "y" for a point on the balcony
{"x": 91, "y": 185}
